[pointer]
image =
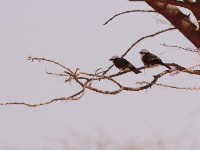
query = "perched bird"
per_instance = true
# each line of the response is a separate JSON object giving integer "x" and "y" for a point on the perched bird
{"x": 151, "y": 60}
{"x": 123, "y": 64}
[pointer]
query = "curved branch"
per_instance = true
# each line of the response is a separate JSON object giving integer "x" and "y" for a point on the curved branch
{"x": 73, "y": 97}
{"x": 126, "y": 12}
{"x": 148, "y": 36}
{"x": 48, "y": 60}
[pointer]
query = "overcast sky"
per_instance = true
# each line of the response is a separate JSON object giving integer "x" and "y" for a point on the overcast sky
{"x": 72, "y": 33}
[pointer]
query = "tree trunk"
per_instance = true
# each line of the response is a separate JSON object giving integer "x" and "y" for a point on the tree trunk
{"x": 181, "y": 21}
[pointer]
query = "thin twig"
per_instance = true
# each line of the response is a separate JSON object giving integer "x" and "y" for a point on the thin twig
{"x": 126, "y": 12}
{"x": 174, "y": 46}
{"x": 171, "y": 86}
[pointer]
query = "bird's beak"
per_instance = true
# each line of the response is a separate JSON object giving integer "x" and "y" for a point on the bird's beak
{"x": 110, "y": 59}
{"x": 140, "y": 52}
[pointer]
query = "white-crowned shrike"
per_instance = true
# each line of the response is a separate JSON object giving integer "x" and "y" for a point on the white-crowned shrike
{"x": 123, "y": 64}
{"x": 151, "y": 60}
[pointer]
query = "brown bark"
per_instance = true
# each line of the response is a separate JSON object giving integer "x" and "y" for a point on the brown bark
{"x": 188, "y": 4}
{"x": 181, "y": 21}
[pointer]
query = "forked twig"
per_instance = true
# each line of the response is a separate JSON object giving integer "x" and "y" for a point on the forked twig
{"x": 126, "y": 12}
{"x": 84, "y": 80}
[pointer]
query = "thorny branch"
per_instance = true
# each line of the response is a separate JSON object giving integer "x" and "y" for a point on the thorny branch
{"x": 170, "y": 86}
{"x": 85, "y": 80}
{"x": 179, "y": 47}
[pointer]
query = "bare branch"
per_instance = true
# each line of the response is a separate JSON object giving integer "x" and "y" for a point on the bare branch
{"x": 48, "y": 60}
{"x": 85, "y": 81}
{"x": 76, "y": 96}
{"x": 171, "y": 86}
{"x": 56, "y": 74}
{"x": 186, "y": 49}
{"x": 145, "y": 37}
{"x": 126, "y": 12}
{"x": 183, "y": 69}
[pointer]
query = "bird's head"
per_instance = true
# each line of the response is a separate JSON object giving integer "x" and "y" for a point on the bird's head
{"x": 144, "y": 51}
{"x": 113, "y": 58}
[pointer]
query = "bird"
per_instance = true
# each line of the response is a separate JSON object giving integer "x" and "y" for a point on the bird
{"x": 151, "y": 60}
{"x": 123, "y": 65}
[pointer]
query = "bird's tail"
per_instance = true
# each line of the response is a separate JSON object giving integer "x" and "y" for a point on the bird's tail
{"x": 136, "y": 71}
{"x": 166, "y": 66}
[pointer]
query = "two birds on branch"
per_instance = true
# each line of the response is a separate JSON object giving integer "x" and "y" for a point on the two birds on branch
{"x": 148, "y": 59}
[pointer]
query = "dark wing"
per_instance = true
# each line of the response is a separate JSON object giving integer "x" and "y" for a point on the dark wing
{"x": 152, "y": 59}
{"x": 157, "y": 60}
{"x": 123, "y": 64}
{"x": 132, "y": 68}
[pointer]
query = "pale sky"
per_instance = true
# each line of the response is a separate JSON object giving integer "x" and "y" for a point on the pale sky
{"x": 72, "y": 33}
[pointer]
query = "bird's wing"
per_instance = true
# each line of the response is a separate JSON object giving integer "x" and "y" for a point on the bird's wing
{"x": 155, "y": 59}
{"x": 129, "y": 65}
{"x": 121, "y": 63}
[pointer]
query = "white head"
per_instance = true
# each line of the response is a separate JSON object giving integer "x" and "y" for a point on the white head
{"x": 144, "y": 52}
{"x": 113, "y": 58}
